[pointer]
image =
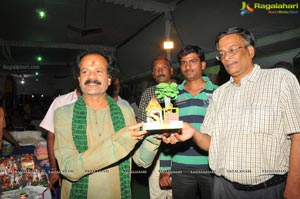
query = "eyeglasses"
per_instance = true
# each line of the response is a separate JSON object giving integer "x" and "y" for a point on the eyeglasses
{"x": 191, "y": 62}
{"x": 232, "y": 51}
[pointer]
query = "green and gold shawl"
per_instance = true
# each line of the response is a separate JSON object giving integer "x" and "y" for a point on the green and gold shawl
{"x": 79, "y": 123}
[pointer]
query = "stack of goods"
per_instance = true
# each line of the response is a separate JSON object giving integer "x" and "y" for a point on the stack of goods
{"x": 41, "y": 154}
{"x": 7, "y": 148}
{"x": 19, "y": 171}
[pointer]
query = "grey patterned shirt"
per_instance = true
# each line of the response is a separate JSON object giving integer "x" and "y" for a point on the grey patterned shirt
{"x": 146, "y": 97}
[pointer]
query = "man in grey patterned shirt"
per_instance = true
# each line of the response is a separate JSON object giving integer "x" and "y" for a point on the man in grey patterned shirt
{"x": 162, "y": 72}
{"x": 252, "y": 126}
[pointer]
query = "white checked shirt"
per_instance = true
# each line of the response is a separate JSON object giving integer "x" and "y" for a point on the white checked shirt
{"x": 250, "y": 125}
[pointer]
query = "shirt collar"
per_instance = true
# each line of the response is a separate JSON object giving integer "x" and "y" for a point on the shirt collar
{"x": 206, "y": 79}
{"x": 74, "y": 95}
{"x": 252, "y": 76}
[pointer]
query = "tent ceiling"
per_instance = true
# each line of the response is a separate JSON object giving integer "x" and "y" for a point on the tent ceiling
{"x": 23, "y": 35}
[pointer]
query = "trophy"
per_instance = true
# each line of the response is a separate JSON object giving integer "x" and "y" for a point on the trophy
{"x": 162, "y": 119}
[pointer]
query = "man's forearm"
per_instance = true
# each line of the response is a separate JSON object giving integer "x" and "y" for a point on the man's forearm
{"x": 50, "y": 148}
{"x": 202, "y": 140}
{"x": 10, "y": 138}
{"x": 293, "y": 181}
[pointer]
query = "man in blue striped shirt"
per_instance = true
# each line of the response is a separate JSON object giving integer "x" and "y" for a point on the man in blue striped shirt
{"x": 191, "y": 175}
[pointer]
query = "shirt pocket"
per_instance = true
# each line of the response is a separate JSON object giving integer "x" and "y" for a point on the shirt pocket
{"x": 264, "y": 119}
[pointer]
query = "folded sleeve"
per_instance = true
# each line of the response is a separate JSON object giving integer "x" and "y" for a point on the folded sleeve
{"x": 146, "y": 152}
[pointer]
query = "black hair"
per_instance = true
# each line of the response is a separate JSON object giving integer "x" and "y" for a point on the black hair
{"x": 111, "y": 88}
{"x": 188, "y": 49}
{"x": 110, "y": 68}
{"x": 285, "y": 65}
{"x": 245, "y": 34}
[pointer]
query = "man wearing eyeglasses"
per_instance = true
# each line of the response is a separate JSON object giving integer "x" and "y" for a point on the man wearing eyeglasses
{"x": 251, "y": 127}
{"x": 191, "y": 175}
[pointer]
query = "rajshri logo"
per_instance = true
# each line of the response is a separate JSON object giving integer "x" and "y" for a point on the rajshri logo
{"x": 246, "y": 9}
{"x": 271, "y": 8}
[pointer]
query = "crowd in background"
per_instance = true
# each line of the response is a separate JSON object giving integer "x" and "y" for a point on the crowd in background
{"x": 29, "y": 111}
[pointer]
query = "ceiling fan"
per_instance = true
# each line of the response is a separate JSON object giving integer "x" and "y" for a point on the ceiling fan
{"x": 85, "y": 31}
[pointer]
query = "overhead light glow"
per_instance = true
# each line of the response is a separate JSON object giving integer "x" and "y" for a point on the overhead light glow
{"x": 168, "y": 45}
{"x": 39, "y": 58}
{"x": 41, "y": 13}
{"x": 22, "y": 80}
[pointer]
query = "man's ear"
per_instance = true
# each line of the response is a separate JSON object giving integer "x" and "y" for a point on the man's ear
{"x": 203, "y": 65}
{"x": 109, "y": 80}
{"x": 153, "y": 75}
{"x": 251, "y": 51}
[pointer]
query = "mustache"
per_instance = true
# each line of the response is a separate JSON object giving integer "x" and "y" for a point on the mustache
{"x": 160, "y": 75}
{"x": 92, "y": 81}
{"x": 188, "y": 70}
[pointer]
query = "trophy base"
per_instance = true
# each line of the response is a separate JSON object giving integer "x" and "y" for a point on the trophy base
{"x": 163, "y": 127}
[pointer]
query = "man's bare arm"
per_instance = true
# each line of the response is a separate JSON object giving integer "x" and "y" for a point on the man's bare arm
{"x": 292, "y": 188}
{"x": 202, "y": 140}
{"x": 54, "y": 172}
{"x": 186, "y": 133}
